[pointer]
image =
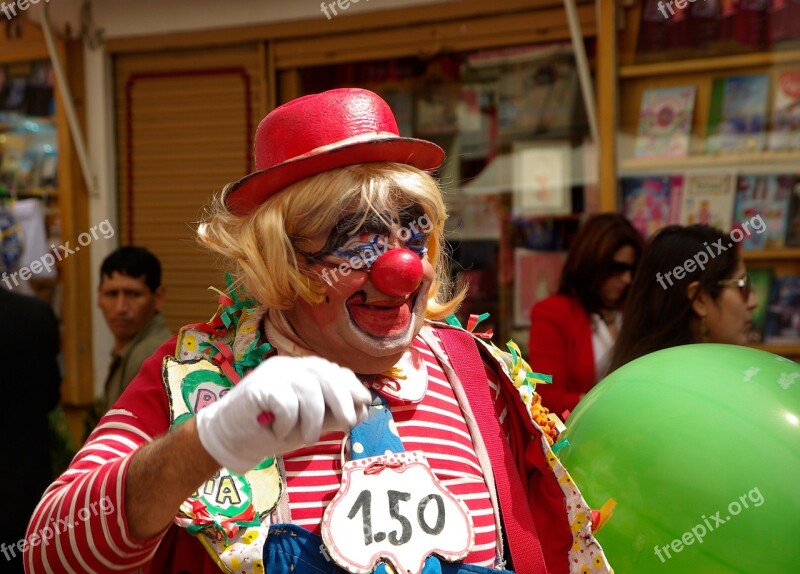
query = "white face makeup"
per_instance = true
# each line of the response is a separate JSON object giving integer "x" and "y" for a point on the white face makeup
{"x": 357, "y": 325}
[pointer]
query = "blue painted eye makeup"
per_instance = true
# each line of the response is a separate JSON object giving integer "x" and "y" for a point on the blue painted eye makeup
{"x": 418, "y": 243}
{"x": 371, "y": 240}
{"x": 367, "y": 250}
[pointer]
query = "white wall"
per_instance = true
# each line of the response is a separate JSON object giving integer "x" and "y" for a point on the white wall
{"x": 103, "y": 205}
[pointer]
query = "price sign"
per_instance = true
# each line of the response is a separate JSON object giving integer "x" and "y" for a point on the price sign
{"x": 393, "y": 508}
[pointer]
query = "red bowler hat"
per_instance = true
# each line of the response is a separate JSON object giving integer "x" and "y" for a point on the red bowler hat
{"x": 320, "y": 132}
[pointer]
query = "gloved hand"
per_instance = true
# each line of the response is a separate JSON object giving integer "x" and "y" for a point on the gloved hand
{"x": 307, "y": 396}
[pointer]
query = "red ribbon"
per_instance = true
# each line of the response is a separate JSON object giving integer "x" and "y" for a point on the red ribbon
{"x": 378, "y": 467}
{"x": 228, "y": 526}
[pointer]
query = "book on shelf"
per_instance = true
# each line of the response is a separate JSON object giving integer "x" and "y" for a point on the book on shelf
{"x": 737, "y": 115}
{"x": 785, "y": 132}
{"x": 751, "y": 28}
{"x": 763, "y": 201}
{"x": 783, "y": 20}
{"x": 653, "y": 29}
{"x": 678, "y": 30}
{"x": 665, "y": 122}
{"x": 646, "y": 202}
{"x": 793, "y": 216}
{"x": 783, "y": 312}
{"x": 704, "y": 23}
{"x": 761, "y": 281}
{"x": 675, "y": 198}
{"x": 708, "y": 200}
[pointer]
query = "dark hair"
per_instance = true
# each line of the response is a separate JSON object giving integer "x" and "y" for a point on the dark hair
{"x": 658, "y": 314}
{"x": 592, "y": 250}
{"x": 134, "y": 262}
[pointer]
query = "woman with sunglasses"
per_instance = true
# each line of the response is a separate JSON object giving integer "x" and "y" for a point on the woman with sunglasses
{"x": 712, "y": 303}
{"x": 573, "y": 332}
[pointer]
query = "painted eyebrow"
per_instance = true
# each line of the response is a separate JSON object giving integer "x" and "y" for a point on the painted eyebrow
{"x": 352, "y": 223}
{"x": 344, "y": 230}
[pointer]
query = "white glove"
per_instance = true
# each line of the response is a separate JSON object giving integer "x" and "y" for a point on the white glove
{"x": 307, "y": 395}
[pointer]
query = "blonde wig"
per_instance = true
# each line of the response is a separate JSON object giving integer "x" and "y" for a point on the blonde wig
{"x": 262, "y": 246}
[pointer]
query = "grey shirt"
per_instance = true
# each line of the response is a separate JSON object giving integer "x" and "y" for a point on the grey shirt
{"x": 126, "y": 364}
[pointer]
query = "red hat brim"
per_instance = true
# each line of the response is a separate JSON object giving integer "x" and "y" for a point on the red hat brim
{"x": 249, "y": 192}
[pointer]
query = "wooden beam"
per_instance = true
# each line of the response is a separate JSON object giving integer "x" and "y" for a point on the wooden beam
{"x": 26, "y": 43}
{"x": 345, "y": 23}
{"x": 289, "y": 85}
{"x": 428, "y": 40}
{"x": 76, "y": 336}
{"x": 716, "y": 64}
{"x": 607, "y": 103}
{"x": 270, "y": 78}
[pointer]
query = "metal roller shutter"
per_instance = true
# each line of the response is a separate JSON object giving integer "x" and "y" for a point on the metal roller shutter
{"x": 184, "y": 129}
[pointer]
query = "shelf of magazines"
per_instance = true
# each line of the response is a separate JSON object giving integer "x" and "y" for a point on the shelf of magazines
{"x": 750, "y": 162}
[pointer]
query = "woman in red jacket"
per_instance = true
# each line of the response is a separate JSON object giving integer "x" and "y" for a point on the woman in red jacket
{"x": 573, "y": 332}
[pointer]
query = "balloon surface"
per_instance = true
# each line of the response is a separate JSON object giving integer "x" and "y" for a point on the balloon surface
{"x": 699, "y": 446}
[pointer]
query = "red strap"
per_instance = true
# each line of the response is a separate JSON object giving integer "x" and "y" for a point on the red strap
{"x": 526, "y": 551}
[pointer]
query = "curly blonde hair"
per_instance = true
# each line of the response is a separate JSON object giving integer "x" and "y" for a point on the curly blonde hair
{"x": 262, "y": 245}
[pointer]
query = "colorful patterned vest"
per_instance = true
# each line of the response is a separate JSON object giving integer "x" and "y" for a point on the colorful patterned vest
{"x": 231, "y": 514}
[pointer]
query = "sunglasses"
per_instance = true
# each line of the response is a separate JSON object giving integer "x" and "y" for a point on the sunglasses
{"x": 743, "y": 283}
{"x": 620, "y": 268}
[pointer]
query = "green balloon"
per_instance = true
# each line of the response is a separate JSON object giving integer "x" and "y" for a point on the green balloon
{"x": 699, "y": 446}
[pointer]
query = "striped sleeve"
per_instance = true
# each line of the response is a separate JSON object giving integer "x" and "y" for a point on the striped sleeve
{"x": 79, "y": 525}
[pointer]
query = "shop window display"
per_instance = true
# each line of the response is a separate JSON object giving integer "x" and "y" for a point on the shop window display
{"x": 28, "y": 174}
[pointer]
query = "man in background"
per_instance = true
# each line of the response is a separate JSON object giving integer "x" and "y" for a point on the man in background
{"x": 131, "y": 297}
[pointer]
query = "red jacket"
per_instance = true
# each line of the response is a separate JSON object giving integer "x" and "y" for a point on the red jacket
{"x": 560, "y": 345}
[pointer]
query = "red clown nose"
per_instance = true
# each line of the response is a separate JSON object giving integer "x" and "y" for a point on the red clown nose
{"x": 397, "y": 272}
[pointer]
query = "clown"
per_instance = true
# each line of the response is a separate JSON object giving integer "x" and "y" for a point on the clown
{"x": 326, "y": 419}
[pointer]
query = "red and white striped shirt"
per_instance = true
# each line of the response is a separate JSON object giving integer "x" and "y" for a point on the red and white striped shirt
{"x": 435, "y": 426}
{"x": 80, "y": 525}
